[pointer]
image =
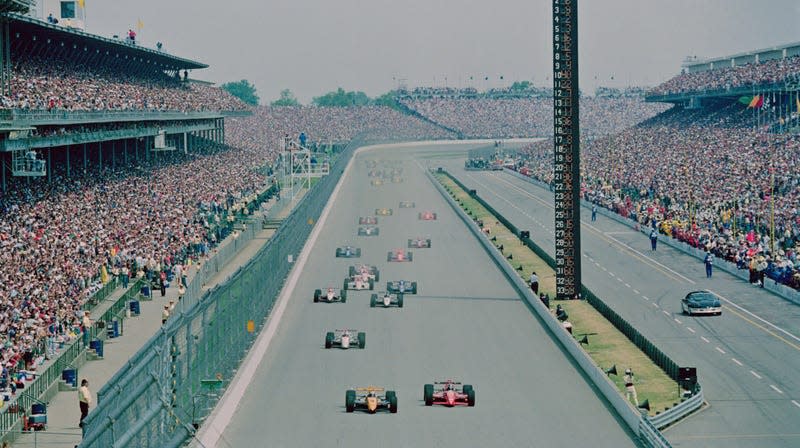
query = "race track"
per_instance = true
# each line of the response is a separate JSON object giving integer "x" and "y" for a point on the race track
{"x": 467, "y": 323}
{"x": 748, "y": 359}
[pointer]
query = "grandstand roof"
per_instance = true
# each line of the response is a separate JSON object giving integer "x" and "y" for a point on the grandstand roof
{"x": 695, "y": 64}
{"x": 23, "y": 25}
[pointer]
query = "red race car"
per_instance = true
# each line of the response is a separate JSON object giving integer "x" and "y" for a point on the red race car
{"x": 399, "y": 255}
{"x": 427, "y": 216}
{"x": 449, "y": 393}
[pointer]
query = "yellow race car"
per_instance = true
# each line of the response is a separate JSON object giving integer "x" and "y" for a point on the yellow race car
{"x": 370, "y": 399}
{"x": 383, "y": 211}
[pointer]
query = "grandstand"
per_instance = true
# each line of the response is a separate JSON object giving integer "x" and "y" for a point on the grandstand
{"x": 718, "y": 170}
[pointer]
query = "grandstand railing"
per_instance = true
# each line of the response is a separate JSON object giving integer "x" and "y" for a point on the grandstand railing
{"x": 710, "y": 93}
{"x": 58, "y": 116}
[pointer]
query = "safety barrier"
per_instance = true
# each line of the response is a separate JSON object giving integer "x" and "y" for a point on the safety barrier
{"x": 169, "y": 386}
{"x": 646, "y": 427}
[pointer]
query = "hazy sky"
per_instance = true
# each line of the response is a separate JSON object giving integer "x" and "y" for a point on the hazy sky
{"x": 314, "y": 46}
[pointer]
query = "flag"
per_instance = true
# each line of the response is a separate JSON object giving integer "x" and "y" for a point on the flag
{"x": 797, "y": 101}
{"x": 139, "y": 24}
{"x": 745, "y": 100}
{"x": 103, "y": 274}
{"x": 82, "y": 3}
{"x": 756, "y": 102}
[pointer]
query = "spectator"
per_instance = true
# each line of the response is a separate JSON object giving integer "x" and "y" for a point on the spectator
{"x": 84, "y": 400}
{"x": 534, "y": 282}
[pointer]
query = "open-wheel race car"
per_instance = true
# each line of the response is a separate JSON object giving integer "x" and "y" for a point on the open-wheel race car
{"x": 345, "y": 339}
{"x": 401, "y": 287}
{"x": 369, "y": 231}
{"x": 370, "y": 399}
{"x": 348, "y": 252}
{"x": 400, "y": 255}
{"x": 372, "y": 272}
{"x": 330, "y": 295}
{"x": 449, "y": 393}
{"x": 359, "y": 282}
{"x": 397, "y": 179}
{"x": 376, "y": 182}
{"x": 386, "y": 299}
{"x": 367, "y": 221}
{"x": 419, "y": 243}
{"x": 383, "y": 211}
{"x": 407, "y": 204}
{"x": 427, "y": 216}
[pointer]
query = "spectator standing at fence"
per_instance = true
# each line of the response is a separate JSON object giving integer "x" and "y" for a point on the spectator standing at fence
{"x": 653, "y": 239}
{"x": 709, "y": 262}
{"x": 125, "y": 275}
{"x": 594, "y": 212}
{"x": 132, "y": 36}
{"x": 84, "y": 400}
{"x": 630, "y": 389}
{"x": 165, "y": 314}
{"x": 534, "y": 282}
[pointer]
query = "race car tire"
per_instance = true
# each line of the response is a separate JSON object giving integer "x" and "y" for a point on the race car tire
{"x": 390, "y": 394}
{"x": 467, "y": 388}
{"x": 317, "y": 293}
{"x": 362, "y": 339}
{"x": 414, "y": 287}
{"x": 344, "y": 296}
{"x": 410, "y": 256}
{"x": 409, "y": 244}
{"x": 350, "y": 400}
{"x": 427, "y": 394}
{"x": 344, "y": 284}
{"x": 393, "y": 404}
{"x": 377, "y": 275}
{"x": 434, "y": 216}
{"x": 373, "y": 300}
{"x": 429, "y": 244}
{"x": 358, "y": 252}
{"x": 471, "y": 398}
{"x": 352, "y": 271}
{"x": 338, "y": 253}
{"x": 399, "y": 300}
{"x": 329, "y": 339}
{"x": 371, "y": 284}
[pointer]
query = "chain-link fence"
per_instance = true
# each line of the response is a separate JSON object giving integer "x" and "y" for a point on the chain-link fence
{"x": 174, "y": 381}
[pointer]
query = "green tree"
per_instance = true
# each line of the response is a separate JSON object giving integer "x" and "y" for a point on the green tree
{"x": 520, "y": 85}
{"x": 387, "y": 99}
{"x": 340, "y": 98}
{"x": 242, "y": 90}
{"x": 287, "y": 99}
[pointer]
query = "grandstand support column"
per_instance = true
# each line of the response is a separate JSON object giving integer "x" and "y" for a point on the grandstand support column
{"x": 100, "y": 154}
{"x": 125, "y": 151}
{"x": 50, "y": 165}
{"x": 113, "y": 155}
{"x": 68, "y": 168}
{"x": 85, "y": 159}
{"x": 5, "y": 56}
{"x": 185, "y": 142}
{"x": 3, "y": 171}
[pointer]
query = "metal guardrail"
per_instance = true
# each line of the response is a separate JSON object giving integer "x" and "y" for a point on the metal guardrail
{"x": 708, "y": 93}
{"x": 680, "y": 411}
{"x": 54, "y": 117}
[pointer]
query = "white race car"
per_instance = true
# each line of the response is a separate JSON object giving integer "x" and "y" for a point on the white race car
{"x": 359, "y": 282}
{"x": 419, "y": 243}
{"x": 369, "y": 231}
{"x": 345, "y": 339}
{"x": 330, "y": 295}
{"x": 371, "y": 271}
{"x": 386, "y": 299}
{"x": 402, "y": 287}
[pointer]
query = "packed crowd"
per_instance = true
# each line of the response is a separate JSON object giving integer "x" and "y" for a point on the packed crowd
{"x": 268, "y": 125}
{"x": 753, "y": 74}
{"x": 709, "y": 178}
{"x": 59, "y": 239}
{"x": 530, "y": 117}
{"x": 38, "y": 84}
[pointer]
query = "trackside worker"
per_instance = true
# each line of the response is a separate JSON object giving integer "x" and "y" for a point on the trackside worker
{"x": 630, "y": 390}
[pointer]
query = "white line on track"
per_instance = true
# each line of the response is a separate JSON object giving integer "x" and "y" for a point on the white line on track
{"x": 756, "y": 317}
{"x": 646, "y": 298}
{"x": 604, "y": 268}
{"x": 705, "y": 339}
{"x": 620, "y": 279}
{"x": 636, "y": 291}
{"x": 720, "y": 350}
{"x": 627, "y": 285}
{"x": 677, "y": 321}
{"x": 690, "y": 329}
{"x": 794, "y": 402}
{"x": 737, "y": 362}
{"x": 775, "y": 388}
{"x": 656, "y": 305}
{"x": 755, "y": 374}
{"x": 597, "y": 264}
{"x": 665, "y": 312}
{"x": 610, "y": 273}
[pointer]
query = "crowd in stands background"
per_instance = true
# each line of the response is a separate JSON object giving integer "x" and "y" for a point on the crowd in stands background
{"x": 704, "y": 177}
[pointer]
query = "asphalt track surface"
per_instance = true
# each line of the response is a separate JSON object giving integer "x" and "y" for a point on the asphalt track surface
{"x": 467, "y": 323}
{"x": 748, "y": 359}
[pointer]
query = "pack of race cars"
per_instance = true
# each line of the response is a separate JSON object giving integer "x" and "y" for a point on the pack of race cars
{"x": 364, "y": 277}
